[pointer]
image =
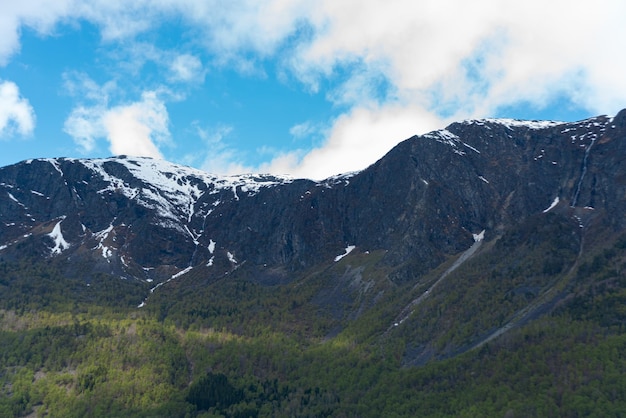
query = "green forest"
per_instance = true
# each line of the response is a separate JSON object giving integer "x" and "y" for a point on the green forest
{"x": 237, "y": 348}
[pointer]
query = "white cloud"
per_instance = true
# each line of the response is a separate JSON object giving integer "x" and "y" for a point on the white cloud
{"x": 9, "y": 37}
{"x": 452, "y": 60}
{"x": 534, "y": 46}
{"x": 16, "y": 113}
{"x": 528, "y": 50}
{"x": 356, "y": 140}
{"x": 40, "y": 15}
{"x": 138, "y": 128}
{"x": 435, "y": 59}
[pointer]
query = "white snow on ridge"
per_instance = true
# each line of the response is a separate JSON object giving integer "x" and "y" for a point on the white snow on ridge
{"x": 55, "y": 164}
{"x": 480, "y": 236}
{"x": 172, "y": 189}
{"x": 337, "y": 179}
{"x": 444, "y": 136}
{"x": 247, "y": 183}
{"x": 599, "y": 121}
{"x": 552, "y": 205}
{"x": 348, "y": 250}
{"x": 515, "y": 123}
{"x": 60, "y": 244}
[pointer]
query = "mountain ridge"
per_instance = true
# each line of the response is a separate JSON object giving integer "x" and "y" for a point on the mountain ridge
{"x": 424, "y": 201}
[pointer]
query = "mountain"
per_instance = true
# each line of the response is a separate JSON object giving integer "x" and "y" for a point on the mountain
{"x": 424, "y": 201}
{"x": 450, "y": 243}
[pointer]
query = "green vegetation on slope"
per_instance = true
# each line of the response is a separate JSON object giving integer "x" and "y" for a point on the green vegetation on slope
{"x": 236, "y": 348}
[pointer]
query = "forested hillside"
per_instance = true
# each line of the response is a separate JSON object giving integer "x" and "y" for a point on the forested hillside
{"x": 249, "y": 350}
{"x": 478, "y": 270}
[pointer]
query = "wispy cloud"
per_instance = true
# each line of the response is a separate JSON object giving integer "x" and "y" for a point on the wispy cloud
{"x": 85, "y": 126}
{"x": 303, "y": 130}
{"x": 186, "y": 68}
{"x": 218, "y": 156}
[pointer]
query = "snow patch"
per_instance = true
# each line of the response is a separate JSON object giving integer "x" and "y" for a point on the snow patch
{"x": 102, "y": 236}
{"x": 210, "y": 263}
{"x": 173, "y": 190}
{"x": 231, "y": 258}
{"x": 175, "y": 276}
{"x": 211, "y": 246}
{"x": 348, "y": 250}
{"x": 445, "y": 137}
{"x": 479, "y": 237}
{"x": 337, "y": 180}
{"x": 552, "y": 205}
{"x": 471, "y": 147}
{"x": 180, "y": 273}
{"x": 60, "y": 244}
{"x": 54, "y": 164}
{"x": 194, "y": 237}
{"x": 516, "y": 123}
{"x": 106, "y": 252}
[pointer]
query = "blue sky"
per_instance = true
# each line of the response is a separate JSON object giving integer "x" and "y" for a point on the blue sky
{"x": 300, "y": 87}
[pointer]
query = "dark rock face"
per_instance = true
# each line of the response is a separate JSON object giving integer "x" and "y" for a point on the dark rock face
{"x": 425, "y": 200}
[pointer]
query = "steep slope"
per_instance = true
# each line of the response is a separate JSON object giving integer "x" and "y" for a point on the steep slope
{"x": 128, "y": 216}
{"x": 422, "y": 204}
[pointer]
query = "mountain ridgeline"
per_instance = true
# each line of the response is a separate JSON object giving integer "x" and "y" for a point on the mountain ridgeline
{"x": 456, "y": 243}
